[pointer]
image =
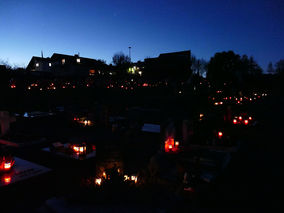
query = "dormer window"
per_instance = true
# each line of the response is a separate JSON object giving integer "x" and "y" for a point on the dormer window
{"x": 49, "y": 64}
{"x": 63, "y": 61}
{"x": 37, "y": 64}
{"x": 78, "y": 60}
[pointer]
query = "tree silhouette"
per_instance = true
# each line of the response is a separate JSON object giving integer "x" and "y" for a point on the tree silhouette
{"x": 121, "y": 62}
{"x": 280, "y": 66}
{"x": 228, "y": 67}
{"x": 270, "y": 68}
{"x": 198, "y": 66}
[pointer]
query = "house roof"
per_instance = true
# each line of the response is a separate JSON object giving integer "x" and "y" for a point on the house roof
{"x": 187, "y": 52}
{"x": 37, "y": 59}
{"x": 61, "y": 56}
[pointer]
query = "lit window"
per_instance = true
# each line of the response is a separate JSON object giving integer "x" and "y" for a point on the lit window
{"x": 92, "y": 72}
{"x": 49, "y": 64}
{"x": 63, "y": 61}
{"x": 78, "y": 60}
{"x": 37, "y": 64}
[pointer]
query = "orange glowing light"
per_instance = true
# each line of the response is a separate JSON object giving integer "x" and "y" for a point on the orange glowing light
{"x": 250, "y": 118}
{"x": 104, "y": 174}
{"x": 7, "y": 179}
{"x": 246, "y": 122}
{"x": 7, "y": 166}
{"x": 240, "y": 118}
{"x": 220, "y": 134}
{"x": 98, "y": 181}
{"x": 235, "y": 121}
{"x": 171, "y": 145}
{"x": 76, "y": 149}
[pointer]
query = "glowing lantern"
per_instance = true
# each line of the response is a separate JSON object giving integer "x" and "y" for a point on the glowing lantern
{"x": 98, "y": 181}
{"x": 134, "y": 178}
{"x": 7, "y": 166}
{"x": 80, "y": 149}
{"x": 246, "y": 122}
{"x": 7, "y": 179}
{"x": 104, "y": 175}
{"x": 240, "y": 118}
{"x": 216, "y": 103}
{"x": 250, "y": 118}
{"x": 220, "y": 134}
{"x": 235, "y": 121}
{"x": 171, "y": 145}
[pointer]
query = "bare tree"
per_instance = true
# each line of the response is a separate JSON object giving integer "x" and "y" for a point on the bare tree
{"x": 120, "y": 59}
{"x": 270, "y": 68}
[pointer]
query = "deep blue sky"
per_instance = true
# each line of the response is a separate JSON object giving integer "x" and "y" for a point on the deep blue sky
{"x": 100, "y": 28}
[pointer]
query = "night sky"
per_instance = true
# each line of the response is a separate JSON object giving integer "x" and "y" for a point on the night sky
{"x": 99, "y": 28}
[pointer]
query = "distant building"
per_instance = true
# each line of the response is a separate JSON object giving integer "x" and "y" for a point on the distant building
{"x": 66, "y": 65}
{"x": 173, "y": 65}
{"x": 2, "y": 67}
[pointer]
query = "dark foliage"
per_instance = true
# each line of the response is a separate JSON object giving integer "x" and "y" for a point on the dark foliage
{"x": 231, "y": 68}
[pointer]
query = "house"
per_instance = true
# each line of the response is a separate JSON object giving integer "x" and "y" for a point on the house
{"x": 174, "y": 65}
{"x": 66, "y": 65}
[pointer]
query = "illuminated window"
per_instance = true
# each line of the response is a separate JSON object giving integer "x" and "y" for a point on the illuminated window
{"x": 78, "y": 60}
{"x": 63, "y": 61}
{"x": 92, "y": 72}
{"x": 49, "y": 64}
{"x": 37, "y": 64}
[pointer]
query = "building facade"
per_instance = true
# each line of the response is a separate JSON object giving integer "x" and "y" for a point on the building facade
{"x": 66, "y": 65}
